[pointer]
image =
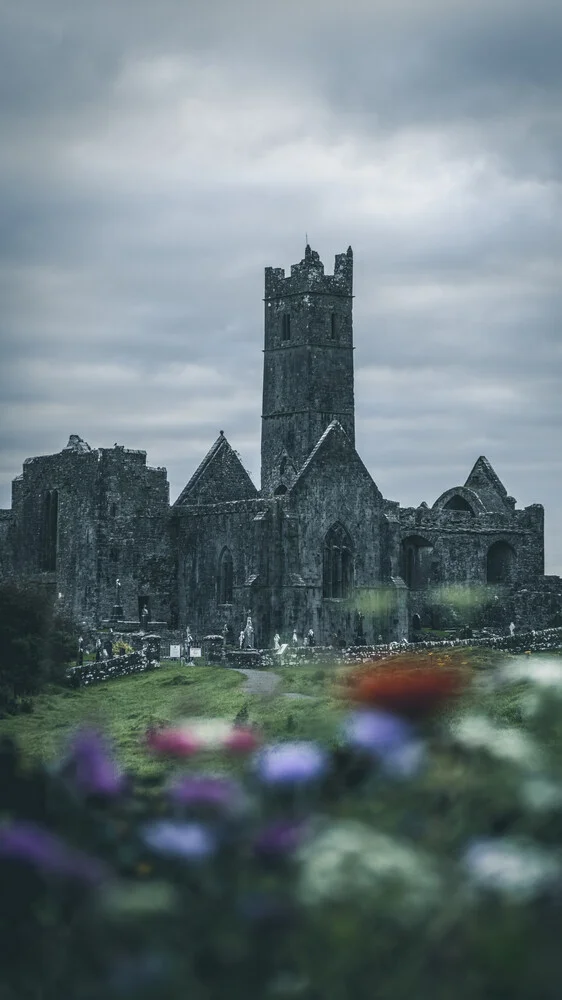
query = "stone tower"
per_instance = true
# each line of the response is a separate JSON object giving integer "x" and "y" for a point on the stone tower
{"x": 308, "y": 363}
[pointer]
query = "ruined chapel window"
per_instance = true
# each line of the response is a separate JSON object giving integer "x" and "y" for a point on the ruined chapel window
{"x": 333, "y": 329}
{"x": 286, "y": 326}
{"x": 458, "y": 503}
{"x": 49, "y": 532}
{"x": 338, "y": 563}
{"x": 500, "y": 561}
{"x": 225, "y": 578}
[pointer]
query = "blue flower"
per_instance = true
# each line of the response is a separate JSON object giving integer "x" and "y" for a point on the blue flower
{"x": 290, "y": 763}
{"x": 178, "y": 839}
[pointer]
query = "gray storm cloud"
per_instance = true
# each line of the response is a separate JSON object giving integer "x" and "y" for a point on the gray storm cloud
{"x": 156, "y": 157}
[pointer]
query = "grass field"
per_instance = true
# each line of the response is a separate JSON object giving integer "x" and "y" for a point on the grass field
{"x": 127, "y": 706}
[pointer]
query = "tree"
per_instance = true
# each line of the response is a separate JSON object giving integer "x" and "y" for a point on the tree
{"x": 34, "y": 642}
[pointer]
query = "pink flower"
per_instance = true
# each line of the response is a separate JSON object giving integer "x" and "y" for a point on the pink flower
{"x": 175, "y": 742}
{"x": 242, "y": 741}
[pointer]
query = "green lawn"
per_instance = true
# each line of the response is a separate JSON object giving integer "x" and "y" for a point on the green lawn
{"x": 127, "y": 706}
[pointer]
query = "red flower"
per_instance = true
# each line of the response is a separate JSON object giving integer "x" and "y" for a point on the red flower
{"x": 414, "y": 692}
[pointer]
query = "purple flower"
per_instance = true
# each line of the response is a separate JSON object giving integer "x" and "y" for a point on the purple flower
{"x": 173, "y": 838}
{"x": 388, "y": 738}
{"x": 199, "y": 790}
{"x": 47, "y": 852}
{"x": 376, "y": 732}
{"x": 90, "y": 763}
{"x": 280, "y": 837}
{"x": 290, "y": 763}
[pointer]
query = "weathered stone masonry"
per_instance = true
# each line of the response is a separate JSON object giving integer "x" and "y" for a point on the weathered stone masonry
{"x": 317, "y": 547}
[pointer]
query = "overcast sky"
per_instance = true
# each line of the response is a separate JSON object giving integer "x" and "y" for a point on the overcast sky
{"x": 156, "y": 155}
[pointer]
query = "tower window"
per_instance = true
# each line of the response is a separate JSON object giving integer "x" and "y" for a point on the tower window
{"x": 49, "y": 532}
{"x": 333, "y": 326}
{"x": 286, "y": 326}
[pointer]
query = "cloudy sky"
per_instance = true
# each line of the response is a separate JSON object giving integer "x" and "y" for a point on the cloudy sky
{"x": 156, "y": 155}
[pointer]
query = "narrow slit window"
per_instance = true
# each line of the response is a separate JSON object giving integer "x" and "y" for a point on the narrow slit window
{"x": 333, "y": 326}
{"x": 286, "y": 326}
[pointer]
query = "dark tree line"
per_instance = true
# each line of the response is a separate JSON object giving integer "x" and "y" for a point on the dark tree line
{"x": 36, "y": 644}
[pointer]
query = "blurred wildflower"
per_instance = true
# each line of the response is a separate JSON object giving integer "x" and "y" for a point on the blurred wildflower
{"x": 386, "y": 737}
{"x": 541, "y": 795}
{"x": 179, "y": 839}
{"x": 130, "y": 899}
{"x": 290, "y": 763}
{"x": 350, "y": 859}
{"x": 515, "y": 869}
{"x": 406, "y": 689}
{"x": 90, "y": 764}
{"x": 45, "y": 851}
{"x": 207, "y": 790}
{"x": 198, "y": 735}
{"x": 477, "y": 732}
{"x": 175, "y": 742}
{"x": 280, "y": 837}
{"x": 544, "y": 672}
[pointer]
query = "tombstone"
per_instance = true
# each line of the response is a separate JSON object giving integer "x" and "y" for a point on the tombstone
{"x": 241, "y": 638}
{"x": 295, "y": 639}
{"x": 81, "y": 651}
{"x": 144, "y": 616}
{"x": 98, "y": 649}
{"x": 276, "y": 641}
{"x": 311, "y": 641}
{"x": 511, "y": 628}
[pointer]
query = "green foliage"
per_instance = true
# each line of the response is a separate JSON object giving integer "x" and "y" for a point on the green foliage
{"x": 35, "y": 643}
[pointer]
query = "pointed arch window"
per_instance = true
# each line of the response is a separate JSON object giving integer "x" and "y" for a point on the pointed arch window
{"x": 338, "y": 563}
{"x": 225, "y": 578}
{"x": 49, "y": 532}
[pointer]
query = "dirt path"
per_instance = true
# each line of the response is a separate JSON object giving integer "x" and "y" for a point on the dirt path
{"x": 266, "y": 682}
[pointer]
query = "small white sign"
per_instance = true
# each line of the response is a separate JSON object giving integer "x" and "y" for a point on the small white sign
{"x": 195, "y": 651}
{"x": 175, "y": 652}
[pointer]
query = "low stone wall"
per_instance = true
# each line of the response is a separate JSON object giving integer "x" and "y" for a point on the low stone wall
{"x": 537, "y": 641}
{"x": 105, "y": 670}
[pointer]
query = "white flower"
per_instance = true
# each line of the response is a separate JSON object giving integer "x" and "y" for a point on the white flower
{"x": 477, "y": 732}
{"x": 541, "y": 795}
{"x": 349, "y": 859}
{"x": 546, "y": 673}
{"x": 511, "y": 867}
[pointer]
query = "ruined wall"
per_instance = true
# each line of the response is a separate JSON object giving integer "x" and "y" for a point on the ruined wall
{"x": 200, "y": 534}
{"x": 335, "y": 488}
{"x": 7, "y": 538}
{"x": 133, "y": 535}
{"x": 111, "y": 522}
